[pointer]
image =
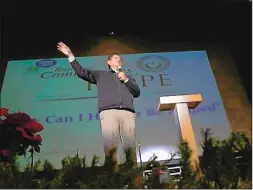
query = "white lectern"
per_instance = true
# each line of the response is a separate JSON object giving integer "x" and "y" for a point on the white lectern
{"x": 181, "y": 105}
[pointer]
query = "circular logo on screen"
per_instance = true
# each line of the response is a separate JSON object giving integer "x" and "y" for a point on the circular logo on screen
{"x": 153, "y": 63}
{"x": 46, "y": 63}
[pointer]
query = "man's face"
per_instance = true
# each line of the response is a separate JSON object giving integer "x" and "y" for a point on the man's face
{"x": 115, "y": 61}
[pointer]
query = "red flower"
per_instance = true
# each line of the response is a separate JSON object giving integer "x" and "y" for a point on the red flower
{"x": 36, "y": 138}
{"x": 33, "y": 126}
{"x": 17, "y": 118}
{"x": 159, "y": 172}
{"x": 4, "y": 152}
{"x": 25, "y": 128}
{"x": 3, "y": 112}
{"x": 23, "y": 132}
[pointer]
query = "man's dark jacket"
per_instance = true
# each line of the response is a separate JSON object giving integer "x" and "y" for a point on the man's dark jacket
{"x": 112, "y": 93}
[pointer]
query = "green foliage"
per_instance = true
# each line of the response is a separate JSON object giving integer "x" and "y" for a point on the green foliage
{"x": 220, "y": 160}
{"x": 224, "y": 164}
{"x": 6, "y": 176}
{"x": 188, "y": 176}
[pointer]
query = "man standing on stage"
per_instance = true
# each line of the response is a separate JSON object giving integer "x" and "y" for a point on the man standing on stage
{"x": 116, "y": 93}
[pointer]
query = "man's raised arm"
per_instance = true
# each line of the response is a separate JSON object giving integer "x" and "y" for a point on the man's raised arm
{"x": 83, "y": 73}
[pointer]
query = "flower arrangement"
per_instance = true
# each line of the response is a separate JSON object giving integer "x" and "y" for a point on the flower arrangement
{"x": 18, "y": 132}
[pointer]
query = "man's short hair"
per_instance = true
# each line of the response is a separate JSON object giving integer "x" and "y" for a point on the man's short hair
{"x": 111, "y": 55}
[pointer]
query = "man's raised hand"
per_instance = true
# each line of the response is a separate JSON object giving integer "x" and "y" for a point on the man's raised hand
{"x": 64, "y": 49}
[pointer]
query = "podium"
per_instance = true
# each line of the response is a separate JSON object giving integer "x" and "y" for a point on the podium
{"x": 181, "y": 105}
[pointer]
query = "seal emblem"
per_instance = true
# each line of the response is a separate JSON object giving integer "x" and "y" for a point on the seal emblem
{"x": 153, "y": 63}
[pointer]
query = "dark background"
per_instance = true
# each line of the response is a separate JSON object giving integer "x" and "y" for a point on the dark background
{"x": 34, "y": 30}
